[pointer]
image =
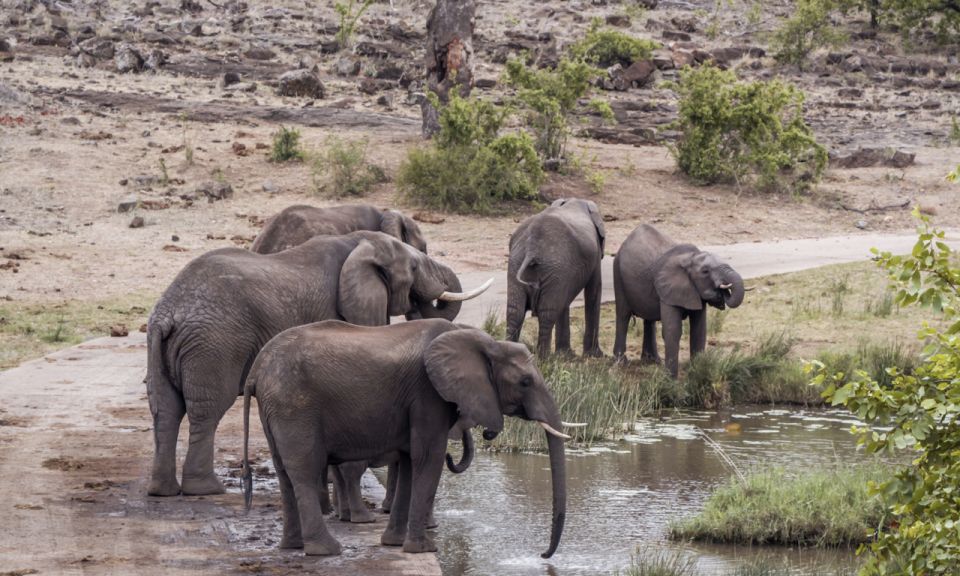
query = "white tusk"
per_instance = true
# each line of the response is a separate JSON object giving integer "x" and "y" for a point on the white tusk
{"x": 574, "y": 424}
{"x": 461, "y": 296}
{"x": 553, "y": 432}
{"x": 726, "y": 286}
{"x": 749, "y": 288}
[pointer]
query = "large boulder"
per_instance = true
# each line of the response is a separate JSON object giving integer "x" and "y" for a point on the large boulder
{"x": 300, "y": 83}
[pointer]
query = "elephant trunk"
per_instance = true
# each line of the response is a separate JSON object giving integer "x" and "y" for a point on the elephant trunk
{"x": 467, "y": 456}
{"x": 559, "y": 479}
{"x": 447, "y": 310}
{"x": 733, "y": 296}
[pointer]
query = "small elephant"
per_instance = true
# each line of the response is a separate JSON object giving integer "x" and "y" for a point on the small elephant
{"x": 296, "y": 224}
{"x": 208, "y": 326}
{"x": 331, "y": 392}
{"x": 659, "y": 280}
{"x": 553, "y": 256}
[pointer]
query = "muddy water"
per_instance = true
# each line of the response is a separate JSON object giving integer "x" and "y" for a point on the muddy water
{"x": 495, "y": 518}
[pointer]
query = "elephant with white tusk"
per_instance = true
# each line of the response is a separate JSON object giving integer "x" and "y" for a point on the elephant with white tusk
{"x": 658, "y": 279}
{"x": 330, "y": 393}
{"x": 211, "y": 322}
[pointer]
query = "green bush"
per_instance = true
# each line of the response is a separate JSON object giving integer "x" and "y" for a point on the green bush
{"x": 349, "y": 14}
{"x": 809, "y": 28}
{"x": 550, "y": 97}
{"x": 744, "y": 132}
{"x": 342, "y": 169}
{"x": 820, "y": 508}
{"x": 604, "y": 48}
{"x": 469, "y": 167}
{"x": 943, "y": 16}
{"x": 286, "y": 145}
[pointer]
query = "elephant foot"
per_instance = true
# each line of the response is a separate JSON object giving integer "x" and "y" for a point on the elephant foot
{"x": 415, "y": 546}
{"x": 291, "y": 542}
{"x": 386, "y": 505}
{"x": 392, "y": 537}
{"x": 203, "y": 485}
{"x": 593, "y": 353}
{"x": 163, "y": 487}
{"x": 363, "y": 516}
{"x": 620, "y": 359}
{"x": 431, "y": 521}
{"x": 325, "y": 547}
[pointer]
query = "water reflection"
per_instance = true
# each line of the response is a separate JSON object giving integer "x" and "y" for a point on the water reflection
{"x": 496, "y": 517}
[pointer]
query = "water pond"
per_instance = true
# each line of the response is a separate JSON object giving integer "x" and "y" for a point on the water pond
{"x": 495, "y": 518}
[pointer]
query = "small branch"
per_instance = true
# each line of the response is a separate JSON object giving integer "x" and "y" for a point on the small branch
{"x": 899, "y": 206}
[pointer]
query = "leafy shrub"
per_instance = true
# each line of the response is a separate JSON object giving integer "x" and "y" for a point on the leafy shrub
{"x": 349, "y": 14}
{"x": 286, "y": 145}
{"x": 809, "y": 28}
{"x": 917, "y": 413}
{"x": 605, "y": 48}
{"x": 469, "y": 167}
{"x": 344, "y": 167}
{"x": 942, "y": 15}
{"x": 550, "y": 96}
{"x": 744, "y": 132}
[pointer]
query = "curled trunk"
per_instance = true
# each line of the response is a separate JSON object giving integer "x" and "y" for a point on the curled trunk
{"x": 735, "y": 296}
{"x": 441, "y": 309}
{"x": 466, "y": 458}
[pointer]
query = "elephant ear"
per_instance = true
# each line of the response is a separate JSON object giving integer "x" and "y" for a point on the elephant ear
{"x": 459, "y": 366}
{"x": 363, "y": 295}
{"x": 598, "y": 224}
{"x": 674, "y": 285}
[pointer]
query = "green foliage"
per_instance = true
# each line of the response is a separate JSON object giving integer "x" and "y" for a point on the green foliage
{"x": 955, "y": 175}
{"x": 810, "y": 27}
{"x": 470, "y": 167}
{"x": 286, "y": 145}
{"x": 659, "y": 562}
{"x": 943, "y": 16}
{"x": 916, "y": 412}
{"x": 820, "y": 508}
{"x": 342, "y": 169}
{"x": 550, "y": 97}
{"x": 349, "y": 14}
{"x": 744, "y": 131}
{"x": 604, "y": 48}
{"x": 872, "y": 358}
{"x": 954, "y": 131}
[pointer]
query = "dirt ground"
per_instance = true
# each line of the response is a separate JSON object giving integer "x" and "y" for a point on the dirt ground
{"x": 76, "y": 142}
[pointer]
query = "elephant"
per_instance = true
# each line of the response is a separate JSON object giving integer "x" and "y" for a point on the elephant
{"x": 658, "y": 279}
{"x": 553, "y": 256}
{"x": 208, "y": 326}
{"x": 296, "y": 224}
{"x": 331, "y": 392}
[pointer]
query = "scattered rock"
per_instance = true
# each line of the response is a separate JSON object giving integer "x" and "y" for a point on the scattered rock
{"x": 98, "y": 48}
{"x": 127, "y": 59}
{"x": 240, "y": 149}
{"x": 260, "y": 53}
{"x": 851, "y": 93}
{"x": 866, "y": 157}
{"x": 230, "y": 78}
{"x": 429, "y": 217}
{"x": 214, "y": 190}
{"x": 119, "y": 331}
{"x": 385, "y": 100}
{"x": 95, "y": 136}
{"x": 137, "y": 222}
{"x": 172, "y": 248}
{"x": 300, "y": 83}
{"x": 861, "y": 224}
{"x": 675, "y": 35}
{"x": 485, "y": 83}
{"x": 347, "y": 66}
{"x": 618, "y": 20}
{"x": 85, "y": 60}
{"x": 242, "y": 87}
{"x": 128, "y": 204}
{"x": 369, "y": 85}
{"x": 154, "y": 60}
{"x": 686, "y": 24}
{"x": 269, "y": 187}
{"x": 640, "y": 73}
{"x": 728, "y": 54}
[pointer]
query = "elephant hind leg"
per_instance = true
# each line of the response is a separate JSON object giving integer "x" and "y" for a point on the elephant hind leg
{"x": 391, "y": 487}
{"x": 167, "y": 406}
{"x": 209, "y": 393}
{"x": 562, "y": 332}
{"x": 650, "y": 353}
{"x": 592, "y": 294}
{"x": 349, "y": 499}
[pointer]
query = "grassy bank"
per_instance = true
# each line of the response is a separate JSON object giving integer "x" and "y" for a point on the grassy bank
{"x": 815, "y": 508}
{"x": 31, "y": 330}
{"x": 657, "y": 562}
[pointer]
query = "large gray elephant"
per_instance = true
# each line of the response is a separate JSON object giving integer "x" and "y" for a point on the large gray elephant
{"x": 208, "y": 326}
{"x": 658, "y": 279}
{"x": 296, "y": 224}
{"x": 553, "y": 256}
{"x": 331, "y": 392}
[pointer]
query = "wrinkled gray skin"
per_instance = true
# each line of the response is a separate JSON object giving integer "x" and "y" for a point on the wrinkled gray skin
{"x": 658, "y": 279}
{"x": 553, "y": 256}
{"x": 296, "y": 224}
{"x": 331, "y": 392}
{"x": 208, "y": 326}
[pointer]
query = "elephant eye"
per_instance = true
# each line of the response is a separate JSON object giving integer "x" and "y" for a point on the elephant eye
{"x": 526, "y": 382}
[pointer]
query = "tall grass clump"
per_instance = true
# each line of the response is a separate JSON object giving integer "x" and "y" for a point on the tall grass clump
{"x": 651, "y": 561}
{"x": 873, "y": 358}
{"x": 825, "y": 508}
{"x": 342, "y": 169}
{"x": 590, "y": 391}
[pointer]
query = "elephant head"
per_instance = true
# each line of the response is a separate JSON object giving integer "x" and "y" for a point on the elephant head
{"x": 376, "y": 281}
{"x": 403, "y": 228}
{"x": 436, "y": 289}
{"x": 488, "y": 379}
{"x": 688, "y": 278}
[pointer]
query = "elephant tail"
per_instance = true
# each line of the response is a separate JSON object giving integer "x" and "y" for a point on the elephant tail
{"x": 524, "y": 273}
{"x": 158, "y": 376}
{"x": 246, "y": 480}
{"x": 467, "y": 458}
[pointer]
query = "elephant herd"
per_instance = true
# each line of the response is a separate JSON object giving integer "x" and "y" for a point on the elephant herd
{"x": 301, "y": 322}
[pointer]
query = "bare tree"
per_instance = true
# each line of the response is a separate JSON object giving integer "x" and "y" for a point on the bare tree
{"x": 449, "y": 56}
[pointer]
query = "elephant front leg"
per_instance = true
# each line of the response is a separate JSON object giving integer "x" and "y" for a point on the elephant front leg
{"x": 562, "y": 334}
{"x": 396, "y": 531}
{"x": 672, "y": 321}
{"x": 650, "y": 353}
{"x": 591, "y": 313}
{"x": 391, "y": 488}
{"x": 426, "y": 478}
{"x": 352, "y": 507}
{"x": 168, "y": 409}
{"x": 546, "y": 320}
{"x": 698, "y": 332}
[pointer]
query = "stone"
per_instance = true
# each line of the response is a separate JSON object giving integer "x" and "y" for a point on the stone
{"x": 300, "y": 83}
{"x": 369, "y": 85}
{"x": 154, "y": 60}
{"x": 127, "y": 59}
{"x": 385, "y": 100}
{"x": 728, "y": 54}
{"x": 675, "y": 35}
{"x": 686, "y": 24}
{"x": 128, "y": 204}
{"x": 214, "y": 190}
{"x": 931, "y": 104}
{"x": 346, "y": 66}
{"x": 867, "y": 157}
{"x": 260, "y": 53}
{"x": 485, "y": 83}
{"x": 850, "y": 93}
{"x": 118, "y": 331}
{"x": 618, "y": 20}
{"x": 861, "y": 224}
{"x": 682, "y": 58}
{"x": 389, "y": 71}
{"x": 85, "y": 60}
{"x": 98, "y": 48}
{"x": 230, "y": 78}
{"x": 648, "y": 4}
{"x": 640, "y": 73}
{"x": 137, "y": 222}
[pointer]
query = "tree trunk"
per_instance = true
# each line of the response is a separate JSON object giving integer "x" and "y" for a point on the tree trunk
{"x": 449, "y": 56}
